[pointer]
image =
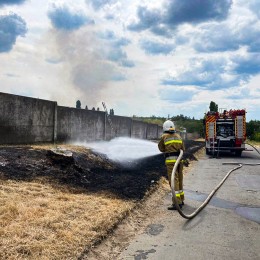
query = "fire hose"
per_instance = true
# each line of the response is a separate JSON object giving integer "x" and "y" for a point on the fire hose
{"x": 203, "y": 205}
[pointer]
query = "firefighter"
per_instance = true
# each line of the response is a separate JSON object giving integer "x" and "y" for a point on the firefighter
{"x": 170, "y": 144}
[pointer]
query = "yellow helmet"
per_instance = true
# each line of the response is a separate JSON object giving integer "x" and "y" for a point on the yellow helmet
{"x": 168, "y": 125}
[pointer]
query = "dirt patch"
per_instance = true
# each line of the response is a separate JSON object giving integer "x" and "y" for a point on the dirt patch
{"x": 59, "y": 206}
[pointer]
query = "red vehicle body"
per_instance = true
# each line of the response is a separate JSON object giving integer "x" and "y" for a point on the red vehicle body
{"x": 225, "y": 131}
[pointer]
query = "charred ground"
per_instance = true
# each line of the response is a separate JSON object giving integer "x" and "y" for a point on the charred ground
{"x": 85, "y": 169}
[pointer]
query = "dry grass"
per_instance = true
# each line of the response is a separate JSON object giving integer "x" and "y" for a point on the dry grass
{"x": 38, "y": 221}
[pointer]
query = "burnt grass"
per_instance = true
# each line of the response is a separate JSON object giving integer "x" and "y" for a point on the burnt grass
{"x": 87, "y": 171}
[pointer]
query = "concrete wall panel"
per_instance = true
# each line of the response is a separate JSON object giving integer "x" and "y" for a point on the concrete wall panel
{"x": 80, "y": 124}
{"x": 139, "y": 129}
{"x": 25, "y": 120}
{"x": 121, "y": 127}
{"x": 160, "y": 131}
{"x": 152, "y": 131}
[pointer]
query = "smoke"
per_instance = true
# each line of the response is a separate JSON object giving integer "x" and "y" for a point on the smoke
{"x": 125, "y": 150}
{"x": 91, "y": 57}
{"x": 82, "y": 59}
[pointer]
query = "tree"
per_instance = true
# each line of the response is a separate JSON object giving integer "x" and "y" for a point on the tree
{"x": 78, "y": 104}
{"x": 213, "y": 107}
{"x": 111, "y": 112}
{"x": 86, "y": 107}
{"x": 253, "y": 130}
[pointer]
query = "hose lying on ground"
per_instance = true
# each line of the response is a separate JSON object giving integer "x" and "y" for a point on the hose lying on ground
{"x": 253, "y": 147}
{"x": 203, "y": 205}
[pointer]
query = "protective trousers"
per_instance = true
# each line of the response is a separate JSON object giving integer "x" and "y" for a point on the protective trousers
{"x": 178, "y": 181}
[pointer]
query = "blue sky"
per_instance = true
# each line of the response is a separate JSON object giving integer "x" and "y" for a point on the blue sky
{"x": 141, "y": 58}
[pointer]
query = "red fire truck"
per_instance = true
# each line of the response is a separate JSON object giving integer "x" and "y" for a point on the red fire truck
{"x": 225, "y": 131}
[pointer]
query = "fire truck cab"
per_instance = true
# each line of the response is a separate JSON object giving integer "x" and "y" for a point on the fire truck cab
{"x": 225, "y": 131}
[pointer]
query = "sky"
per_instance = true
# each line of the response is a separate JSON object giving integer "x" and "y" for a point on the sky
{"x": 143, "y": 58}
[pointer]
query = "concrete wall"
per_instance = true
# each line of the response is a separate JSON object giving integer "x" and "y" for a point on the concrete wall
{"x": 80, "y": 124}
{"x": 139, "y": 129}
{"x": 121, "y": 127}
{"x": 152, "y": 131}
{"x": 31, "y": 120}
{"x": 26, "y": 120}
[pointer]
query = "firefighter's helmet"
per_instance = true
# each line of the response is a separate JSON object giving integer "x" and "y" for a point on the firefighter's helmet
{"x": 168, "y": 126}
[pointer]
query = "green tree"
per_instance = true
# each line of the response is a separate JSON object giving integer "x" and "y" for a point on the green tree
{"x": 78, "y": 104}
{"x": 213, "y": 107}
{"x": 253, "y": 130}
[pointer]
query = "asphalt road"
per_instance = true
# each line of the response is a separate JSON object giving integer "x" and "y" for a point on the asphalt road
{"x": 228, "y": 228}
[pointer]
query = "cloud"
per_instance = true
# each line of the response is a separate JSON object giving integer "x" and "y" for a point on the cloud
{"x": 121, "y": 42}
{"x": 254, "y": 5}
{"x": 113, "y": 50}
{"x": 216, "y": 73}
{"x": 147, "y": 19}
{"x": 175, "y": 12}
{"x": 116, "y": 54}
{"x": 247, "y": 65}
{"x": 98, "y": 4}
{"x": 228, "y": 36}
{"x": 196, "y": 11}
{"x": 127, "y": 63}
{"x": 211, "y": 74}
{"x": 11, "y": 26}
{"x": 118, "y": 77}
{"x": 66, "y": 19}
{"x": 114, "y": 40}
{"x": 239, "y": 94}
{"x": 177, "y": 95}
{"x": 11, "y": 2}
{"x": 107, "y": 35}
{"x": 120, "y": 57}
{"x": 155, "y": 48}
{"x": 161, "y": 30}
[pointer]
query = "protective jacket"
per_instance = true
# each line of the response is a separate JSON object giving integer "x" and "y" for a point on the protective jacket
{"x": 170, "y": 144}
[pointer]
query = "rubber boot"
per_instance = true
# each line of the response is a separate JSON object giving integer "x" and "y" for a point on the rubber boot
{"x": 173, "y": 207}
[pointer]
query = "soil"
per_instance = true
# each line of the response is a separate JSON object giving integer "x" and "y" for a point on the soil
{"x": 81, "y": 168}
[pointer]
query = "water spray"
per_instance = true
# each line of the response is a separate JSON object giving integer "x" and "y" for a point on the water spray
{"x": 125, "y": 150}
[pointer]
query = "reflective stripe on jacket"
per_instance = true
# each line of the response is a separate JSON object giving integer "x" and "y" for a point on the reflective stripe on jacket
{"x": 171, "y": 143}
{"x": 171, "y": 159}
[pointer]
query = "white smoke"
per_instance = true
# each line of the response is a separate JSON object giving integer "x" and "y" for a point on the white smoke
{"x": 82, "y": 55}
